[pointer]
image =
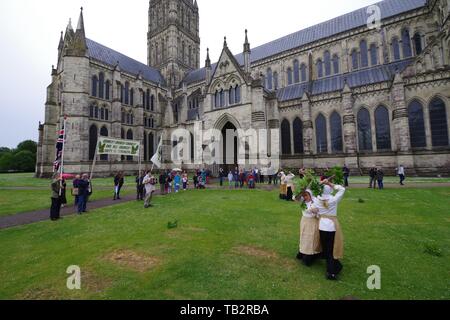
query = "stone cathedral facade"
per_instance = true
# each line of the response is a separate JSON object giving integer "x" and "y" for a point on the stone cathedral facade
{"x": 340, "y": 92}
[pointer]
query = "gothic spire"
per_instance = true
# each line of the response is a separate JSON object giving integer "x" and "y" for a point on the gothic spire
{"x": 225, "y": 45}
{"x": 61, "y": 42}
{"x": 81, "y": 22}
{"x": 246, "y": 44}
{"x": 208, "y": 60}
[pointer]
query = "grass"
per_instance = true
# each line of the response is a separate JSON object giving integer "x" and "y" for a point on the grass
{"x": 232, "y": 245}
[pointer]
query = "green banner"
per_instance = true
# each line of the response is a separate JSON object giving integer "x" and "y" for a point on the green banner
{"x": 107, "y": 145}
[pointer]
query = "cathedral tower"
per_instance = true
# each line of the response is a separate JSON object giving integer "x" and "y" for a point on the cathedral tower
{"x": 173, "y": 38}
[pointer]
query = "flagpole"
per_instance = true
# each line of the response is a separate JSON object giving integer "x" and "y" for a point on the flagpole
{"x": 62, "y": 154}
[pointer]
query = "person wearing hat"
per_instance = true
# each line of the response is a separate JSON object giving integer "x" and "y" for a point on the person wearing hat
{"x": 310, "y": 247}
{"x": 331, "y": 235}
{"x": 289, "y": 181}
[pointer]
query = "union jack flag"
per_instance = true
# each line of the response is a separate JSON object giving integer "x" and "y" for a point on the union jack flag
{"x": 59, "y": 151}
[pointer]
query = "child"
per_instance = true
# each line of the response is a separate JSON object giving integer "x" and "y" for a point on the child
{"x": 185, "y": 182}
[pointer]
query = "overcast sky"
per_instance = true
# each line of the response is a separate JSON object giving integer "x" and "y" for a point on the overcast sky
{"x": 30, "y": 30}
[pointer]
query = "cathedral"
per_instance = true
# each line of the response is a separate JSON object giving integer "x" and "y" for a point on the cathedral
{"x": 351, "y": 90}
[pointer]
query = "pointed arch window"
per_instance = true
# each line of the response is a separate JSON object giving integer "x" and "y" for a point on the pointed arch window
{"x": 303, "y": 72}
{"x": 373, "y": 54}
{"x": 364, "y": 130}
{"x": 152, "y": 103}
{"x": 217, "y": 99}
{"x": 269, "y": 79}
{"x": 107, "y": 90}
{"x": 286, "y": 137}
{"x": 319, "y": 67}
{"x": 438, "y": 123}
{"x": 418, "y": 43}
{"x": 321, "y": 134}
{"x": 355, "y": 62}
{"x": 416, "y": 125}
{"x": 93, "y": 137}
{"x": 406, "y": 43}
{"x": 96, "y": 112}
{"x": 289, "y": 76}
{"x": 147, "y": 99}
{"x": 336, "y": 132}
{"x": 132, "y": 97}
{"x": 296, "y": 71}
{"x": 231, "y": 96}
{"x": 127, "y": 93}
{"x": 129, "y": 137}
{"x": 102, "y": 113}
{"x": 298, "y": 136}
{"x": 101, "y": 85}
{"x": 104, "y": 133}
{"x": 94, "y": 86}
{"x": 275, "y": 80}
{"x": 91, "y": 111}
{"x": 327, "y": 62}
{"x": 222, "y": 98}
{"x": 383, "y": 129}
{"x": 237, "y": 94}
{"x": 364, "y": 52}
{"x": 395, "y": 49}
{"x": 336, "y": 64}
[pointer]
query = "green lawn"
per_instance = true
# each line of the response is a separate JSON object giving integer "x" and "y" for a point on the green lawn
{"x": 232, "y": 245}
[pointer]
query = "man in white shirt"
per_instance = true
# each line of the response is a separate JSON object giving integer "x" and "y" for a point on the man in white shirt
{"x": 149, "y": 183}
{"x": 401, "y": 174}
{"x": 330, "y": 231}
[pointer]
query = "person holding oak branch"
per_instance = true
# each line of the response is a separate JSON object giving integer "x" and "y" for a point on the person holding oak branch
{"x": 331, "y": 235}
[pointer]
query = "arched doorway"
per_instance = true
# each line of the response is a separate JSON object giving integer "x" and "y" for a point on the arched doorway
{"x": 230, "y": 149}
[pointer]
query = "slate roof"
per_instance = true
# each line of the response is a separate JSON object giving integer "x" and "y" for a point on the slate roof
{"x": 111, "y": 57}
{"x": 355, "y": 79}
{"x": 347, "y": 22}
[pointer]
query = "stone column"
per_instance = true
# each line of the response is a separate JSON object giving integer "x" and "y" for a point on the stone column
{"x": 349, "y": 121}
{"x": 401, "y": 125}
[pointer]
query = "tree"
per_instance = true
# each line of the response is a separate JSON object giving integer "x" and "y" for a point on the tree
{"x": 24, "y": 161}
{"x": 27, "y": 145}
{"x": 6, "y": 161}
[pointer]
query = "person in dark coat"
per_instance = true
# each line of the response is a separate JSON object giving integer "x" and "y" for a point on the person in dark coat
{"x": 162, "y": 182}
{"x": 118, "y": 184}
{"x": 380, "y": 178}
{"x": 373, "y": 177}
{"x": 55, "y": 208}
{"x": 63, "y": 193}
{"x": 346, "y": 171}
{"x": 140, "y": 188}
{"x": 83, "y": 193}
{"x": 75, "y": 189}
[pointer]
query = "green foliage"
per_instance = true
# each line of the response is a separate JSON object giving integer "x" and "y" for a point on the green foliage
{"x": 27, "y": 145}
{"x": 433, "y": 250}
{"x": 172, "y": 225}
{"x": 24, "y": 161}
{"x": 23, "y": 158}
{"x": 337, "y": 174}
{"x": 361, "y": 200}
{"x": 309, "y": 181}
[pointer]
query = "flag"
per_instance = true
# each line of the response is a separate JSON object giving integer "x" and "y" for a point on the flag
{"x": 59, "y": 151}
{"x": 157, "y": 158}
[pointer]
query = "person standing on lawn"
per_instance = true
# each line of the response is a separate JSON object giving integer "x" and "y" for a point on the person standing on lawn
{"x": 83, "y": 193}
{"x": 380, "y": 178}
{"x": 310, "y": 247}
{"x": 55, "y": 208}
{"x": 221, "y": 176}
{"x": 118, "y": 184}
{"x": 149, "y": 183}
{"x": 177, "y": 182}
{"x": 230, "y": 179}
{"x": 63, "y": 193}
{"x": 289, "y": 180}
{"x": 346, "y": 171}
{"x": 185, "y": 181}
{"x": 331, "y": 235}
{"x": 162, "y": 182}
{"x": 373, "y": 178}
{"x": 75, "y": 189}
{"x": 401, "y": 174}
{"x": 140, "y": 189}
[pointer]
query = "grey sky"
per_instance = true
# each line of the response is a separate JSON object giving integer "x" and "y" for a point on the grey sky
{"x": 29, "y": 35}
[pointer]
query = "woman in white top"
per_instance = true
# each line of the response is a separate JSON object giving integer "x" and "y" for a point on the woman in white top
{"x": 310, "y": 247}
{"x": 331, "y": 235}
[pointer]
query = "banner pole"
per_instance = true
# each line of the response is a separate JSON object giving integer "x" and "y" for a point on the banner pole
{"x": 140, "y": 160}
